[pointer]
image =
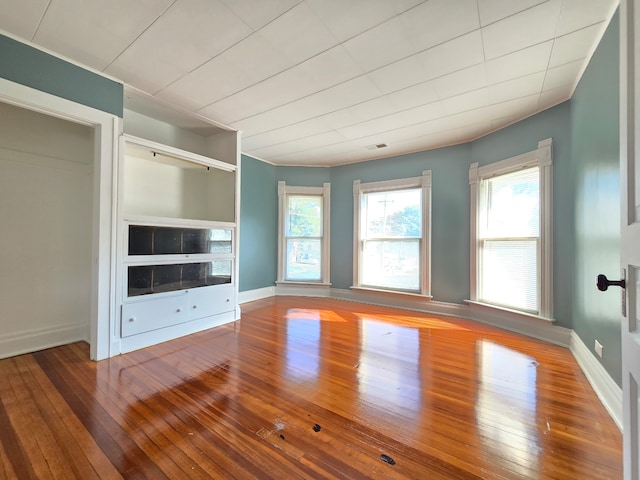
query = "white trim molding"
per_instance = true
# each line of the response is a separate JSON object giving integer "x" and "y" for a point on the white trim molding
{"x": 17, "y": 343}
{"x": 608, "y": 391}
{"x": 256, "y": 294}
{"x": 424, "y": 182}
{"x": 541, "y": 158}
{"x": 324, "y": 192}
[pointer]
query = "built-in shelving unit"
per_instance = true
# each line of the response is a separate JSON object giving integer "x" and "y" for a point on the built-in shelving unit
{"x": 177, "y": 242}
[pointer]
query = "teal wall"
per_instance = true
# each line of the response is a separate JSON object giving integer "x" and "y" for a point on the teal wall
{"x": 449, "y": 223}
{"x": 595, "y": 169}
{"x": 258, "y": 262}
{"x": 303, "y": 176}
{"x": 28, "y": 66}
{"x": 258, "y": 225}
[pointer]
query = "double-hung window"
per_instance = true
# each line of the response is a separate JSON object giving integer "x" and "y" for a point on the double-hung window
{"x": 303, "y": 234}
{"x": 392, "y": 234}
{"x": 511, "y": 232}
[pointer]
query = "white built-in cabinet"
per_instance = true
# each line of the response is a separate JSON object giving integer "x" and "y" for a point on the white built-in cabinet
{"x": 177, "y": 242}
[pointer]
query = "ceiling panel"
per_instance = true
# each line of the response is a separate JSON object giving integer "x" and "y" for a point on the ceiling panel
{"x": 357, "y": 16}
{"x": 299, "y": 34}
{"x": 314, "y": 75}
{"x": 393, "y": 121}
{"x": 525, "y": 29}
{"x": 466, "y": 101}
{"x": 465, "y": 80}
{"x": 523, "y": 62}
{"x": 262, "y": 97}
{"x": 554, "y": 96}
{"x": 258, "y": 13}
{"x": 178, "y": 42}
{"x": 110, "y": 26}
{"x": 425, "y": 26}
{"x": 22, "y": 18}
{"x": 575, "y": 45}
{"x": 577, "y": 14}
{"x": 435, "y": 62}
{"x": 318, "y": 82}
{"x": 493, "y": 10}
{"x": 516, "y": 88}
{"x": 408, "y": 97}
{"x": 276, "y": 136}
{"x": 247, "y": 63}
{"x": 563, "y": 75}
{"x": 338, "y": 98}
{"x": 301, "y": 145}
{"x": 523, "y": 107}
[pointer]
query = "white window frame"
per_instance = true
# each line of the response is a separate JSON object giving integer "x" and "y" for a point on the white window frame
{"x": 284, "y": 191}
{"x": 359, "y": 189}
{"x": 541, "y": 158}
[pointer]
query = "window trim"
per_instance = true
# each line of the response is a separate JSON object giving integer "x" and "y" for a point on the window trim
{"x": 284, "y": 191}
{"x": 541, "y": 158}
{"x": 423, "y": 182}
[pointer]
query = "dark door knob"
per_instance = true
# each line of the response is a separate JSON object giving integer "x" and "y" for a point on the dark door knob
{"x": 604, "y": 283}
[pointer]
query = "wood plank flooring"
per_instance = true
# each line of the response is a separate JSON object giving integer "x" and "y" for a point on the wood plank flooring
{"x": 305, "y": 388}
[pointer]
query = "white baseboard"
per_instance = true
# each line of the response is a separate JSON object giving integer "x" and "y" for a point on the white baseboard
{"x": 38, "y": 339}
{"x": 257, "y": 294}
{"x": 608, "y": 391}
{"x": 526, "y": 324}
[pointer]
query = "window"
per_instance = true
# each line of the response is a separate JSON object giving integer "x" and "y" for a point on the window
{"x": 392, "y": 234}
{"x": 511, "y": 232}
{"x": 303, "y": 234}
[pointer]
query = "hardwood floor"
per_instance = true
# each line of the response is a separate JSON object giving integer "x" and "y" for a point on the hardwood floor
{"x": 309, "y": 388}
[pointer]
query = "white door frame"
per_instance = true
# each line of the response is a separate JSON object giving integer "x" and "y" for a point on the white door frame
{"x": 630, "y": 231}
{"x": 107, "y": 128}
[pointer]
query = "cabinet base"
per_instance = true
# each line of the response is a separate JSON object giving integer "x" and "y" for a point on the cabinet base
{"x": 154, "y": 337}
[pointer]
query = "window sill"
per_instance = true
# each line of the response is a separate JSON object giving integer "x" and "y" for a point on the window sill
{"x": 303, "y": 284}
{"x": 519, "y": 313}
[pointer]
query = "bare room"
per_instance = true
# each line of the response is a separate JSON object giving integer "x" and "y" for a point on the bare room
{"x": 299, "y": 239}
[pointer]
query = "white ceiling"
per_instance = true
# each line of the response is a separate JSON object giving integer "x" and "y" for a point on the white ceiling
{"x": 321, "y": 82}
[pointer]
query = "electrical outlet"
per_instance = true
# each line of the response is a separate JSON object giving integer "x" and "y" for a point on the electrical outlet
{"x": 598, "y": 347}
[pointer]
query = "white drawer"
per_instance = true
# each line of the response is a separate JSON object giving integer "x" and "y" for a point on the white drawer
{"x": 152, "y": 314}
{"x": 207, "y": 301}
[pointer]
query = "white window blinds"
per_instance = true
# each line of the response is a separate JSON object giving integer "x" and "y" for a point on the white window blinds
{"x": 509, "y": 239}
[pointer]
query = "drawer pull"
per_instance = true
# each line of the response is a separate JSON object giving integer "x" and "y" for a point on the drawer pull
{"x": 178, "y": 310}
{"x": 132, "y": 319}
{"x": 227, "y": 300}
{"x": 195, "y": 306}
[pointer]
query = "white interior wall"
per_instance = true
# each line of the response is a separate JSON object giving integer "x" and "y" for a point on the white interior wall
{"x": 152, "y": 188}
{"x": 162, "y": 187}
{"x": 46, "y": 187}
{"x": 221, "y": 196}
{"x": 149, "y": 128}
